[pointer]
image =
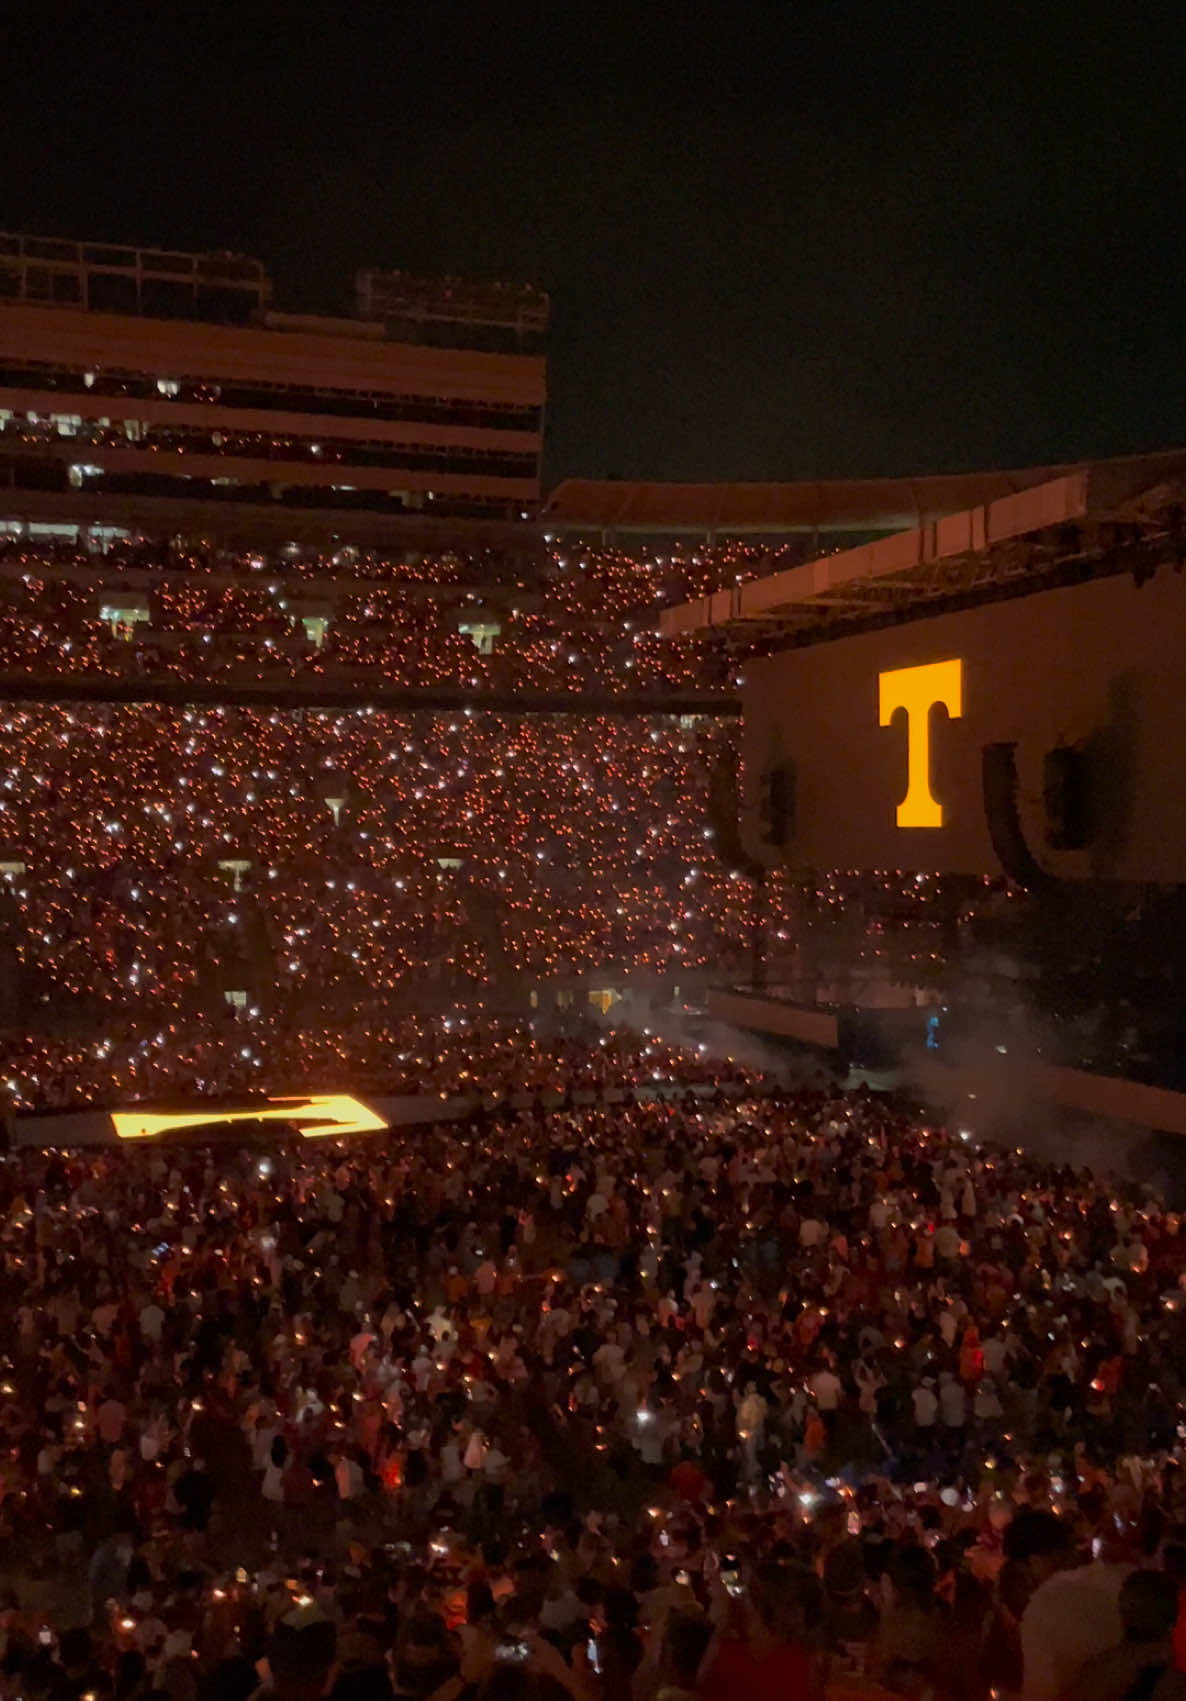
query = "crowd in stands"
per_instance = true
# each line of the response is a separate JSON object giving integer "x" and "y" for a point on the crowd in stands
{"x": 336, "y": 870}
{"x": 580, "y": 577}
{"x": 569, "y": 622}
{"x": 375, "y": 1051}
{"x": 242, "y": 636}
{"x": 650, "y": 1400}
{"x": 728, "y": 1393}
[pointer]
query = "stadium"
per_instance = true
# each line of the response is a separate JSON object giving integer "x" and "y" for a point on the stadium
{"x": 456, "y": 747}
{"x": 551, "y": 1037}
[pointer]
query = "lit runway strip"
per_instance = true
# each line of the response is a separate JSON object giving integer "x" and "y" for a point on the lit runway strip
{"x": 80, "y": 1128}
{"x": 318, "y": 1116}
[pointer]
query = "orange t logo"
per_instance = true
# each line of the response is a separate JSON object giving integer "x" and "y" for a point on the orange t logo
{"x": 917, "y": 690}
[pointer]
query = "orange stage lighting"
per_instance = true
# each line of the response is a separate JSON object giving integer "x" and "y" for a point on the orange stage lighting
{"x": 317, "y": 1116}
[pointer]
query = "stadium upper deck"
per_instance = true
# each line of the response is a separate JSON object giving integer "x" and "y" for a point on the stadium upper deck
{"x": 939, "y": 542}
{"x": 130, "y": 376}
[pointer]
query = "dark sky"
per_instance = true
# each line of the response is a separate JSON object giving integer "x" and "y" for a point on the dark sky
{"x": 782, "y": 240}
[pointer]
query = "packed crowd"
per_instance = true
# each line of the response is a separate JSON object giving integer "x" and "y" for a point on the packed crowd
{"x": 333, "y": 867}
{"x": 376, "y": 1051}
{"x": 578, "y": 577}
{"x": 244, "y": 635}
{"x": 569, "y": 622}
{"x": 668, "y": 1400}
{"x": 331, "y": 871}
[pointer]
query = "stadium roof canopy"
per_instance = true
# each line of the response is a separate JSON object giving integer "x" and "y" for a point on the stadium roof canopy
{"x": 1095, "y": 519}
{"x": 729, "y": 510}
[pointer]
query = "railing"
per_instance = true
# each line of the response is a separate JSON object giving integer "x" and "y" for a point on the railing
{"x": 57, "y": 271}
{"x": 394, "y": 295}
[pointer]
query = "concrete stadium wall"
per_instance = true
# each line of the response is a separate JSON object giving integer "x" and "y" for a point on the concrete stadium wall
{"x": 989, "y": 1084}
{"x": 984, "y": 1083}
{"x": 771, "y": 1016}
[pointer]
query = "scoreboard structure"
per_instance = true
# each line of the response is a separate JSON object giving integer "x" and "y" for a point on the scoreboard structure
{"x": 1002, "y": 690}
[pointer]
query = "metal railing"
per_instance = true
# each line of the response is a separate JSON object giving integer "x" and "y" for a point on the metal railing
{"x": 57, "y": 271}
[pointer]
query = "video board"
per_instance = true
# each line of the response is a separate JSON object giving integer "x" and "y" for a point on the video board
{"x": 884, "y": 736}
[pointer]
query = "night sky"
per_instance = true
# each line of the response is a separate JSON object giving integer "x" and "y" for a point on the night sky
{"x": 782, "y": 241}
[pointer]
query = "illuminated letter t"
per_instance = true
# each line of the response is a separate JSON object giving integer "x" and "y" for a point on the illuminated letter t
{"x": 917, "y": 690}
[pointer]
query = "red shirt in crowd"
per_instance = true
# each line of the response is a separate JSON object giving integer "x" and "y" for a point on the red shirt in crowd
{"x": 781, "y": 1672}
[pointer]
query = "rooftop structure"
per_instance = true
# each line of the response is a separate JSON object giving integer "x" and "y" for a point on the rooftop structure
{"x": 454, "y": 312}
{"x": 108, "y": 277}
{"x": 131, "y": 377}
{"x": 806, "y": 506}
{"x": 1096, "y": 519}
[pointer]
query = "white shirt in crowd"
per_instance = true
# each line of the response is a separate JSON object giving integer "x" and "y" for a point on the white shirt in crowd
{"x": 926, "y": 1407}
{"x": 954, "y": 1403}
{"x": 827, "y": 1389}
{"x": 152, "y": 1320}
{"x": 1070, "y": 1617}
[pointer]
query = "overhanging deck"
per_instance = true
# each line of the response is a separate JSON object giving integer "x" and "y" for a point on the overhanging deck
{"x": 1109, "y": 516}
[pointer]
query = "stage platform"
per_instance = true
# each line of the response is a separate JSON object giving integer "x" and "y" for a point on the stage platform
{"x": 311, "y": 1116}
